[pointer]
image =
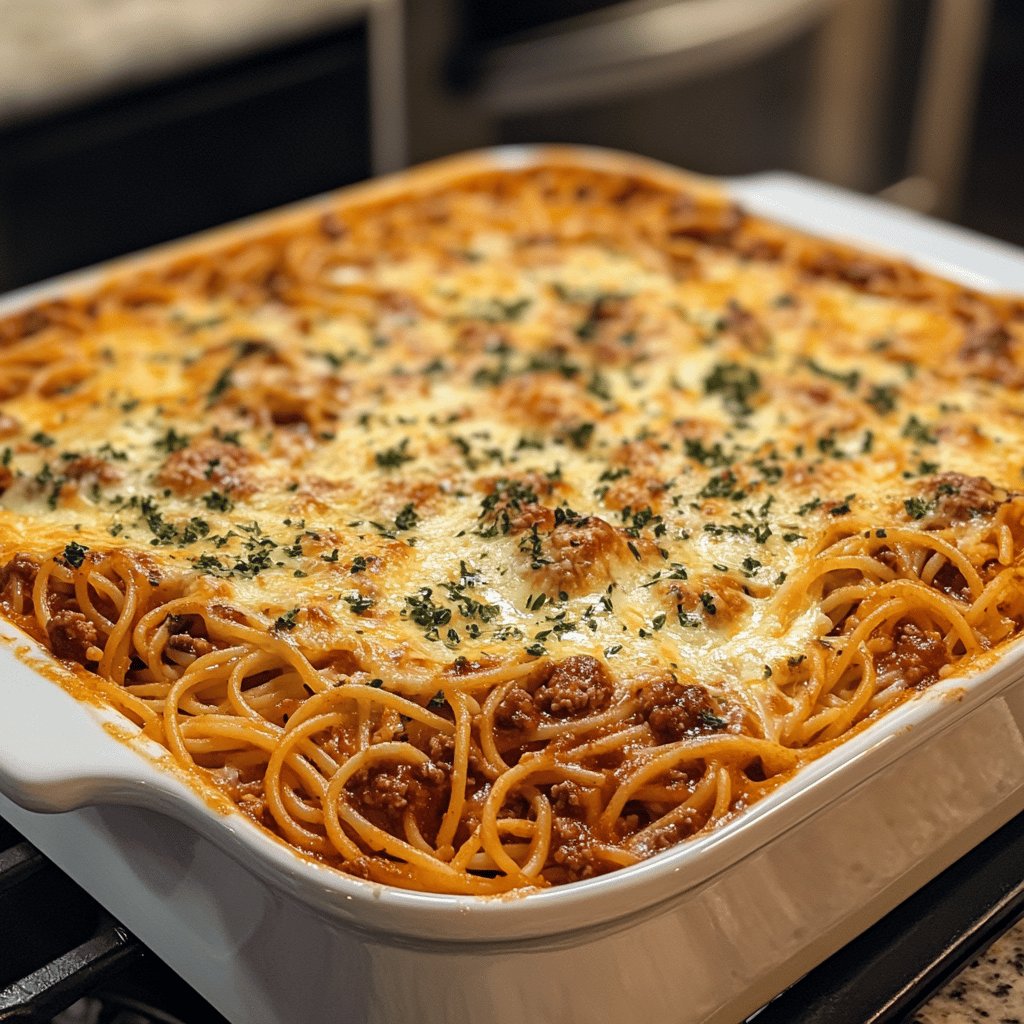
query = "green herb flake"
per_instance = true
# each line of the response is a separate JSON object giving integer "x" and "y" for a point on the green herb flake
{"x": 74, "y": 554}
{"x": 918, "y": 508}
{"x": 287, "y": 621}
{"x": 392, "y": 458}
{"x": 407, "y": 518}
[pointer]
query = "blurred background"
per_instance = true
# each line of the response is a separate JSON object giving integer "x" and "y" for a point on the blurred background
{"x": 128, "y": 122}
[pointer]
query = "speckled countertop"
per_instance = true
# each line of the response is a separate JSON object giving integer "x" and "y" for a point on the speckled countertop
{"x": 989, "y": 991}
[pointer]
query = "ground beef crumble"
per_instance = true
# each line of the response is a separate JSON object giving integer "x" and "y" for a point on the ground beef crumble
{"x": 516, "y": 711}
{"x": 22, "y": 568}
{"x": 572, "y": 850}
{"x": 385, "y": 793}
{"x": 577, "y": 686}
{"x": 71, "y": 635}
{"x": 187, "y": 635}
{"x": 674, "y": 710}
{"x": 917, "y": 654}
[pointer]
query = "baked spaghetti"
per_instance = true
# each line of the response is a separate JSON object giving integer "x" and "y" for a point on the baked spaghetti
{"x": 507, "y": 527}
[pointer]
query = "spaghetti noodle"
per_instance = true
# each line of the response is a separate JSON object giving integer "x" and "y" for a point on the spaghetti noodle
{"x": 508, "y": 527}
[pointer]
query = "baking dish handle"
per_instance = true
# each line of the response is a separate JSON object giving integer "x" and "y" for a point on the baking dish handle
{"x": 59, "y": 754}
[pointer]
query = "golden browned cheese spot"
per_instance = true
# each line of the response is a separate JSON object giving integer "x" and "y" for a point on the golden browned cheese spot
{"x": 207, "y": 465}
{"x": 92, "y": 467}
{"x": 746, "y": 328}
{"x": 422, "y": 493}
{"x": 9, "y": 426}
{"x": 318, "y": 494}
{"x": 958, "y": 498}
{"x": 637, "y": 456}
{"x": 478, "y": 337}
{"x": 990, "y": 351}
{"x": 544, "y": 400}
{"x": 636, "y": 491}
{"x": 580, "y": 556}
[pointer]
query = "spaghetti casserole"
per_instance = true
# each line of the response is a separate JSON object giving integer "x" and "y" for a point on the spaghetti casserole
{"x": 508, "y": 527}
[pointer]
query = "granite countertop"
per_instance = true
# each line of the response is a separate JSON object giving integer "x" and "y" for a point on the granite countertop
{"x": 53, "y": 52}
{"x": 989, "y": 991}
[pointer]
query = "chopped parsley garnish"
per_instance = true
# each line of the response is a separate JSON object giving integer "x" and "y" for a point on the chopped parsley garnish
{"x": 849, "y": 380}
{"x": 392, "y": 458}
{"x": 426, "y": 613}
{"x": 918, "y": 431}
{"x": 714, "y": 456}
{"x": 172, "y": 441}
{"x": 223, "y": 383}
{"x": 471, "y": 608}
{"x": 918, "y": 508}
{"x": 709, "y": 720}
{"x": 74, "y": 554}
{"x": 358, "y": 602}
{"x": 287, "y": 620}
{"x": 598, "y": 386}
{"x": 167, "y": 534}
{"x": 735, "y": 384}
{"x": 723, "y": 485}
{"x": 500, "y": 310}
{"x": 882, "y": 398}
{"x": 843, "y": 508}
{"x": 218, "y": 501}
{"x": 579, "y": 436}
{"x": 407, "y": 518}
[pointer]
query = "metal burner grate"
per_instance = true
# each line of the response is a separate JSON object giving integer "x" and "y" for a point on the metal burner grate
{"x": 64, "y": 959}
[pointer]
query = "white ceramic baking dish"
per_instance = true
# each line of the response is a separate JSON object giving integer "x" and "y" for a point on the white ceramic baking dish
{"x": 705, "y": 932}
